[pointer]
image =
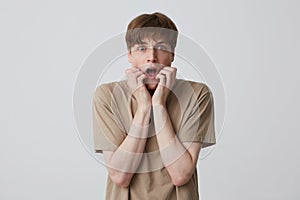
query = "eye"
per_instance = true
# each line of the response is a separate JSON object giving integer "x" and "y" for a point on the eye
{"x": 161, "y": 47}
{"x": 141, "y": 48}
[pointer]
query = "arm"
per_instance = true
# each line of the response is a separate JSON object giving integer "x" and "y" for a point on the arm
{"x": 179, "y": 161}
{"x": 123, "y": 162}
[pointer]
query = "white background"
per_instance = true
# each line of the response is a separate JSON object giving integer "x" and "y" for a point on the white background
{"x": 254, "y": 44}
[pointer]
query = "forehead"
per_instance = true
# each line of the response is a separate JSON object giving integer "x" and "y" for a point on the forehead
{"x": 152, "y": 41}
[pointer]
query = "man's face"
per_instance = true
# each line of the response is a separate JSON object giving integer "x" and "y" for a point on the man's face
{"x": 151, "y": 56}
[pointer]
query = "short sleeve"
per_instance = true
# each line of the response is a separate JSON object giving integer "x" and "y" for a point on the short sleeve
{"x": 198, "y": 121}
{"x": 107, "y": 132}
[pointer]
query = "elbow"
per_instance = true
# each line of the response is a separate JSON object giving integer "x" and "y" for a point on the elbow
{"x": 120, "y": 179}
{"x": 181, "y": 180}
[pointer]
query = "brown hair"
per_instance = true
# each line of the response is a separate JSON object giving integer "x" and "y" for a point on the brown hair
{"x": 155, "y": 25}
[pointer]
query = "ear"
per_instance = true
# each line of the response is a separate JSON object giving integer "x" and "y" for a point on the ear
{"x": 172, "y": 57}
{"x": 129, "y": 55}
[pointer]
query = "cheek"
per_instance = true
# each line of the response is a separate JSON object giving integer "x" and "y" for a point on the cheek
{"x": 137, "y": 61}
{"x": 166, "y": 60}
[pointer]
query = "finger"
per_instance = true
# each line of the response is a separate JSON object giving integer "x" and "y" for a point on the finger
{"x": 132, "y": 75}
{"x": 165, "y": 71}
{"x": 139, "y": 82}
{"x": 170, "y": 77}
{"x": 171, "y": 70}
{"x": 137, "y": 74}
{"x": 132, "y": 70}
{"x": 140, "y": 79}
{"x": 162, "y": 79}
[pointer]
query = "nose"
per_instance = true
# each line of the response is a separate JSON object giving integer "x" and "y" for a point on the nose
{"x": 151, "y": 55}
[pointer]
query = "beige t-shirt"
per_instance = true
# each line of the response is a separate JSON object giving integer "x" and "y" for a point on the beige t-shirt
{"x": 191, "y": 110}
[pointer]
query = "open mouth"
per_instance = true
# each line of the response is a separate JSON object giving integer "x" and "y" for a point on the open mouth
{"x": 151, "y": 72}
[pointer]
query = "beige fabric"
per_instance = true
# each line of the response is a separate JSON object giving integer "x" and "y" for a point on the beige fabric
{"x": 191, "y": 109}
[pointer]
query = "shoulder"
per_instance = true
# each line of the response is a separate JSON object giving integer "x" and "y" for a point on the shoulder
{"x": 108, "y": 88}
{"x": 198, "y": 88}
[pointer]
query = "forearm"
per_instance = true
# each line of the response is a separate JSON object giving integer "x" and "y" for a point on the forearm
{"x": 177, "y": 160}
{"x": 123, "y": 162}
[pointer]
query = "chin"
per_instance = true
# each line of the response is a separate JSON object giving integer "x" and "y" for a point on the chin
{"x": 152, "y": 86}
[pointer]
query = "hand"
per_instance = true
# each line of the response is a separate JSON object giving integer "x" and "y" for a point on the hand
{"x": 135, "y": 78}
{"x": 167, "y": 78}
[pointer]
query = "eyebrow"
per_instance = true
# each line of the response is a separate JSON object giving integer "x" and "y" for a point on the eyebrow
{"x": 160, "y": 42}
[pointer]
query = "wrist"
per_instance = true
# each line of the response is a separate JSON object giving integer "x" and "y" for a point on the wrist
{"x": 142, "y": 115}
{"x": 138, "y": 131}
{"x": 159, "y": 103}
{"x": 140, "y": 124}
{"x": 144, "y": 109}
{"x": 160, "y": 96}
{"x": 160, "y": 116}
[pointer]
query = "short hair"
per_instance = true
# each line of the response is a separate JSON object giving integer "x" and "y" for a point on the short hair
{"x": 155, "y": 25}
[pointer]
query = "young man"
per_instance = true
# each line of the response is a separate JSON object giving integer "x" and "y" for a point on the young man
{"x": 151, "y": 126}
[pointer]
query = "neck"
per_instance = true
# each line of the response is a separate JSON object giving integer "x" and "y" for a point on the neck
{"x": 151, "y": 92}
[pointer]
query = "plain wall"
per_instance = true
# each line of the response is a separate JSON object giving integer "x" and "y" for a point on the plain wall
{"x": 254, "y": 44}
